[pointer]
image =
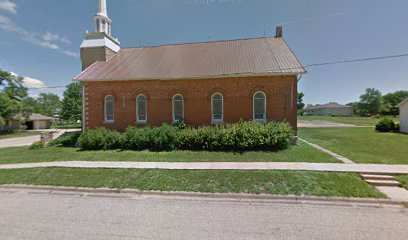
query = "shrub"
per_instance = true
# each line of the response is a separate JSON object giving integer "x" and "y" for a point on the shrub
{"x": 101, "y": 139}
{"x": 162, "y": 138}
{"x": 137, "y": 138}
{"x": 195, "y": 139}
{"x": 66, "y": 140}
{"x": 36, "y": 146}
{"x": 385, "y": 125}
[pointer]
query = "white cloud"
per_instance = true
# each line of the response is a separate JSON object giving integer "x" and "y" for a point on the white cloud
{"x": 48, "y": 40}
{"x": 8, "y": 6}
{"x": 7, "y": 24}
{"x": 31, "y": 82}
{"x": 53, "y": 37}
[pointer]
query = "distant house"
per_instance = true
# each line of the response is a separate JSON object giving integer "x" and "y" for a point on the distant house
{"x": 35, "y": 121}
{"x": 329, "y": 109}
{"x": 403, "y": 107}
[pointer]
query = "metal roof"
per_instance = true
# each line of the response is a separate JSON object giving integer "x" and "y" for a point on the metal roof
{"x": 402, "y": 103}
{"x": 258, "y": 56}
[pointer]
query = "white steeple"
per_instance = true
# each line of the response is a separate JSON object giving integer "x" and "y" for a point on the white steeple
{"x": 99, "y": 45}
{"x": 102, "y": 21}
{"x": 102, "y": 8}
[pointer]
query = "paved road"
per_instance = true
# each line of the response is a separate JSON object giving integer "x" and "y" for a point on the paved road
{"x": 39, "y": 215}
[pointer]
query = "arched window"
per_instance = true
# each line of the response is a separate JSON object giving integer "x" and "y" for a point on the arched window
{"x": 109, "y": 108}
{"x": 260, "y": 107}
{"x": 178, "y": 108}
{"x": 141, "y": 109}
{"x": 217, "y": 108}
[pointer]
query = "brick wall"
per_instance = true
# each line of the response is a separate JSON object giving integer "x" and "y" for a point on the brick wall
{"x": 91, "y": 55}
{"x": 281, "y": 93}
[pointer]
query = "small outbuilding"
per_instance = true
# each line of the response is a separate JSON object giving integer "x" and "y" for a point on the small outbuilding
{"x": 35, "y": 121}
{"x": 329, "y": 109}
{"x": 403, "y": 107}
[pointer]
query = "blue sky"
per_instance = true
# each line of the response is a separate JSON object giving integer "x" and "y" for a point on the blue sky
{"x": 40, "y": 39}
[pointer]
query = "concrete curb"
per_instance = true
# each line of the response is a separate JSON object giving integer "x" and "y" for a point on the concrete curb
{"x": 230, "y": 196}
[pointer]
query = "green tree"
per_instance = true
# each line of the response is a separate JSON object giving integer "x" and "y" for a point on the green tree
{"x": 370, "y": 102}
{"x": 48, "y": 104}
{"x": 12, "y": 92}
{"x": 72, "y": 103}
{"x": 12, "y": 86}
{"x": 8, "y": 107}
{"x": 300, "y": 103}
{"x": 391, "y": 100}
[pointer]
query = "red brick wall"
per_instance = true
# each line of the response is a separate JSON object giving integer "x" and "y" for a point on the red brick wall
{"x": 281, "y": 93}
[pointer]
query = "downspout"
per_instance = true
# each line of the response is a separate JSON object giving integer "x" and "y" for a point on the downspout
{"x": 83, "y": 109}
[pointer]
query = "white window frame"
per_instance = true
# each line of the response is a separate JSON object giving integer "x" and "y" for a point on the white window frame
{"x": 217, "y": 121}
{"x": 253, "y": 107}
{"x": 113, "y": 109}
{"x": 137, "y": 109}
{"x": 172, "y": 103}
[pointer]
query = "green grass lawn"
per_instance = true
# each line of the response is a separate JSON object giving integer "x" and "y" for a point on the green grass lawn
{"x": 404, "y": 180}
{"x": 362, "y": 145}
{"x": 298, "y": 153}
{"x": 358, "y": 121}
{"x": 5, "y": 135}
{"x": 271, "y": 182}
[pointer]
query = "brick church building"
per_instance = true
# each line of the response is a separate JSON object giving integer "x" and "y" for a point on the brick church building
{"x": 198, "y": 83}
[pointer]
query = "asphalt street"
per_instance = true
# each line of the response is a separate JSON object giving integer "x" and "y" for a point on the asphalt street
{"x": 29, "y": 214}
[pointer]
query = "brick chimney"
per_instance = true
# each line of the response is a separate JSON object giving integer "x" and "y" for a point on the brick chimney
{"x": 279, "y": 32}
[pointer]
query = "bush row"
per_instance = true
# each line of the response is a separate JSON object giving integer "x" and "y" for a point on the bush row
{"x": 242, "y": 136}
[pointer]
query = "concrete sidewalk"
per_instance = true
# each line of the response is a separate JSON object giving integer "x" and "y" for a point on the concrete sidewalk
{"x": 296, "y": 166}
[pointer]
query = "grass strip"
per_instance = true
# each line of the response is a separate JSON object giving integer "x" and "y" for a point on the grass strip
{"x": 256, "y": 182}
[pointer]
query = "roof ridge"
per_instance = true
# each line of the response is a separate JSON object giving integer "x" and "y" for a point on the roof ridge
{"x": 190, "y": 43}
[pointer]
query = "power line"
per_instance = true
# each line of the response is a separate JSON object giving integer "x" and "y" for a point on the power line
{"x": 306, "y": 66}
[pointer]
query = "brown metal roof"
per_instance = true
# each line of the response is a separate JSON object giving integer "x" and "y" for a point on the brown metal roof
{"x": 259, "y": 56}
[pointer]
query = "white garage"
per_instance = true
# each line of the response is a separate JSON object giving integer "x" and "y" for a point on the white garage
{"x": 403, "y": 106}
{"x": 37, "y": 122}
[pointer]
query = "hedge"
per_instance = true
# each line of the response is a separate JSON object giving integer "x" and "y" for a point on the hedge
{"x": 242, "y": 136}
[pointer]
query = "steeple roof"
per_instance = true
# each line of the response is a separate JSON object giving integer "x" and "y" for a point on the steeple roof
{"x": 102, "y": 8}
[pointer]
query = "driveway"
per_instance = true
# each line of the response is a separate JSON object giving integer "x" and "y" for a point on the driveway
{"x": 68, "y": 215}
{"x": 321, "y": 124}
{"x": 27, "y": 141}
{"x": 18, "y": 142}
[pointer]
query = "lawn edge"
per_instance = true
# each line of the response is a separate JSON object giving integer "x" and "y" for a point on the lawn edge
{"x": 230, "y": 196}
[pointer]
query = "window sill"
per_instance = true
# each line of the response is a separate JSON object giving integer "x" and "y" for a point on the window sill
{"x": 216, "y": 122}
{"x": 109, "y": 122}
{"x": 260, "y": 120}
